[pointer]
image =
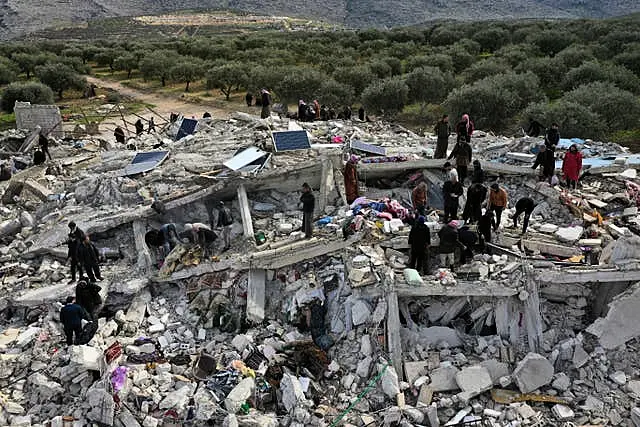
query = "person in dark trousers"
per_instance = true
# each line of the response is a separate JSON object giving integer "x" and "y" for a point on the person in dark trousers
{"x": 88, "y": 296}
{"x": 266, "y": 104}
{"x": 535, "y": 128}
{"x": 464, "y": 128}
{"x": 484, "y": 228}
{"x": 547, "y": 162}
{"x": 302, "y": 110}
{"x": 43, "y": 142}
{"x": 119, "y": 135}
{"x": 498, "y": 199}
{"x": 347, "y": 113}
{"x": 74, "y": 239}
{"x": 88, "y": 258}
{"x": 169, "y": 237}
{"x": 477, "y": 176}
{"x": 476, "y": 195}
{"x": 420, "y": 239}
{"x": 225, "y": 220}
{"x": 152, "y": 126}
{"x": 524, "y": 205}
{"x": 451, "y": 190}
{"x": 308, "y": 205}
{"x": 248, "y": 99}
{"x": 449, "y": 242}
{"x": 38, "y": 157}
{"x": 361, "y": 116}
{"x": 462, "y": 153}
{"x": 5, "y": 173}
{"x": 467, "y": 240}
{"x": 71, "y": 316}
{"x": 442, "y": 130}
{"x": 552, "y": 138}
{"x": 139, "y": 127}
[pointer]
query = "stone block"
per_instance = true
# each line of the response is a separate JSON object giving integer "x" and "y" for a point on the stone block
{"x": 360, "y": 312}
{"x": 533, "y": 372}
{"x": 496, "y": 369}
{"x": 474, "y": 380}
{"x": 444, "y": 378}
{"x": 562, "y": 412}
{"x": 292, "y": 393}
{"x": 89, "y": 358}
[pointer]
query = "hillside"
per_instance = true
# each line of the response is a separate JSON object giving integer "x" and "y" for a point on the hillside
{"x": 21, "y": 17}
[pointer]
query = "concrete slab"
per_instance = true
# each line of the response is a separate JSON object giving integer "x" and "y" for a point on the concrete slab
{"x": 256, "y": 295}
{"x": 29, "y": 116}
{"x": 533, "y": 372}
{"x": 622, "y": 322}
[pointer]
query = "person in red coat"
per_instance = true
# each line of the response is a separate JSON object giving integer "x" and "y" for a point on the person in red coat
{"x": 571, "y": 166}
{"x": 351, "y": 179}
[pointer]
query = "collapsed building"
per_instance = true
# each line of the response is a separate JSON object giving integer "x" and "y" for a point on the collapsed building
{"x": 332, "y": 330}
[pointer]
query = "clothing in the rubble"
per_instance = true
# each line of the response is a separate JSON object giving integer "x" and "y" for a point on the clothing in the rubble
{"x": 361, "y": 114}
{"x": 464, "y": 129}
{"x": 88, "y": 258}
{"x": 476, "y": 195}
{"x": 351, "y": 179}
{"x": 552, "y": 137}
{"x": 316, "y": 324}
{"x": 449, "y": 242}
{"x": 38, "y": 157}
{"x": 152, "y": 125}
{"x": 572, "y": 165}
{"x": 498, "y": 199}
{"x": 535, "y": 128}
{"x": 5, "y": 173}
{"x": 462, "y": 153}
{"x": 43, "y": 142}
{"x": 442, "y": 130}
{"x": 225, "y": 220}
{"x": 468, "y": 239}
{"x": 478, "y": 173}
{"x": 419, "y": 240}
{"x": 139, "y": 127}
{"x": 248, "y": 98}
{"x": 525, "y": 206}
{"x": 74, "y": 239}
{"x": 266, "y": 104}
{"x": 547, "y": 162}
{"x": 452, "y": 190}
{"x": 119, "y": 135}
{"x": 71, "y": 316}
{"x": 419, "y": 198}
{"x": 308, "y": 205}
{"x": 206, "y": 115}
{"x": 88, "y": 296}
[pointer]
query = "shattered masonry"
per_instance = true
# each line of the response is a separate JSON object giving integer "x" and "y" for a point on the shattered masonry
{"x": 539, "y": 332}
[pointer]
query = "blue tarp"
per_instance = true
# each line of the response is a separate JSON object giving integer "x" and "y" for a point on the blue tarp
{"x": 566, "y": 143}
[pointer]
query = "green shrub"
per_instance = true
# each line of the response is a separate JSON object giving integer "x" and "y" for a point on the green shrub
{"x": 33, "y": 92}
{"x": 575, "y": 120}
{"x": 485, "y": 68}
{"x": 387, "y": 97}
{"x": 593, "y": 71}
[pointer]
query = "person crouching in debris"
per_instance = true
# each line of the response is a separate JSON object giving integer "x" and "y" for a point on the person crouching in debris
{"x": 308, "y": 205}
{"x": 119, "y": 135}
{"x": 419, "y": 240}
{"x": 467, "y": 240}
{"x": 88, "y": 296}
{"x": 88, "y": 258}
{"x": 547, "y": 162}
{"x": 38, "y": 157}
{"x": 225, "y": 220}
{"x": 525, "y": 205}
{"x": 43, "y": 142}
{"x": 200, "y": 234}
{"x": 452, "y": 190}
{"x": 476, "y": 195}
{"x": 449, "y": 242}
{"x": 351, "y": 179}
{"x": 419, "y": 198}
{"x": 71, "y": 316}
{"x": 139, "y": 127}
{"x": 75, "y": 237}
{"x": 571, "y": 166}
{"x": 498, "y": 199}
{"x": 5, "y": 172}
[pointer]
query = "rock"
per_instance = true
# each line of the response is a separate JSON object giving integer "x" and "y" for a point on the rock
{"x": 593, "y": 404}
{"x": 21, "y": 421}
{"x": 240, "y": 342}
{"x": 635, "y": 416}
{"x": 444, "y": 378}
{"x": 102, "y": 406}
{"x": 390, "y": 382}
{"x": 496, "y": 369}
{"x": 26, "y": 220}
{"x": 415, "y": 415}
{"x": 27, "y": 337}
{"x": 360, "y": 313}
{"x": 562, "y": 382}
{"x": 562, "y": 412}
{"x": 633, "y": 387}
{"x": 526, "y": 411}
{"x": 619, "y": 377}
{"x": 46, "y": 388}
{"x": 474, "y": 380}
{"x": 10, "y": 227}
{"x": 364, "y": 366}
{"x": 230, "y": 421}
{"x": 365, "y": 345}
{"x": 569, "y": 234}
{"x": 548, "y": 228}
{"x": 149, "y": 421}
{"x": 178, "y": 400}
{"x": 622, "y": 322}
{"x": 580, "y": 357}
{"x": 533, "y": 372}
{"x": 614, "y": 417}
{"x": 292, "y": 393}
{"x": 239, "y": 395}
{"x": 89, "y": 358}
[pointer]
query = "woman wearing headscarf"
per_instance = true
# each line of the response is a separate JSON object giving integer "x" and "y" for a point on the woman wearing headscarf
{"x": 351, "y": 179}
{"x": 464, "y": 128}
{"x": 571, "y": 166}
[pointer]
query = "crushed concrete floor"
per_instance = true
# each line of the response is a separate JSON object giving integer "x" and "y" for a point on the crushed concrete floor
{"x": 330, "y": 331}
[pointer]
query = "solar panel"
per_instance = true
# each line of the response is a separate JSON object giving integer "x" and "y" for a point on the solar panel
{"x": 368, "y": 148}
{"x": 291, "y": 140}
{"x": 144, "y": 162}
{"x": 244, "y": 158}
{"x": 187, "y": 127}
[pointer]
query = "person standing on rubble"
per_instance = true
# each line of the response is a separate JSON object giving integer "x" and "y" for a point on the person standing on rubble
{"x": 75, "y": 237}
{"x": 139, "y": 127}
{"x": 225, "y": 220}
{"x": 5, "y": 173}
{"x": 462, "y": 153}
{"x": 119, "y": 135}
{"x": 43, "y": 142}
{"x": 88, "y": 296}
{"x": 152, "y": 126}
{"x": 449, "y": 242}
{"x": 571, "y": 166}
{"x": 452, "y": 190}
{"x": 71, "y": 316}
{"x": 316, "y": 109}
{"x": 484, "y": 229}
{"x": 38, "y": 157}
{"x": 419, "y": 240}
{"x": 477, "y": 176}
{"x": 464, "y": 128}
{"x": 248, "y": 98}
{"x": 524, "y": 205}
{"x": 498, "y": 199}
{"x": 88, "y": 258}
{"x": 534, "y": 129}
{"x": 351, "y": 179}
{"x": 552, "y": 138}
{"x": 442, "y": 130}
{"x": 308, "y": 201}
{"x": 476, "y": 195}
{"x": 546, "y": 159}
{"x": 266, "y": 104}
{"x": 361, "y": 114}
{"x": 419, "y": 198}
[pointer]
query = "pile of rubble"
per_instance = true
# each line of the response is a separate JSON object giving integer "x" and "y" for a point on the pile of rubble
{"x": 332, "y": 330}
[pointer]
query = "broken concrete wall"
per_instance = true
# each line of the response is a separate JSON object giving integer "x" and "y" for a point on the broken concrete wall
{"x": 48, "y": 117}
{"x": 622, "y": 322}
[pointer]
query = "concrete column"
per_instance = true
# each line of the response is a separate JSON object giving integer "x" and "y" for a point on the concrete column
{"x": 394, "y": 343}
{"x": 144, "y": 257}
{"x": 245, "y": 212}
{"x": 256, "y": 295}
{"x": 327, "y": 184}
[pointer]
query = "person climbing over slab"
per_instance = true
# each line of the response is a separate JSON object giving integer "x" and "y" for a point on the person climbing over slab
{"x": 524, "y": 205}
{"x": 419, "y": 240}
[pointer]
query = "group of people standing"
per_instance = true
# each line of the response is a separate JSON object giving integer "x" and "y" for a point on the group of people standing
{"x": 546, "y": 157}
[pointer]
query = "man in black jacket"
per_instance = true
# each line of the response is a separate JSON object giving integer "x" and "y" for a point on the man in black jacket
{"x": 71, "y": 316}
{"x": 74, "y": 239}
{"x": 524, "y": 205}
{"x": 43, "y": 142}
{"x": 308, "y": 205}
{"x": 547, "y": 162}
{"x": 476, "y": 195}
{"x": 266, "y": 104}
{"x": 552, "y": 138}
{"x": 462, "y": 153}
{"x": 451, "y": 190}
{"x": 442, "y": 130}
{"x": 419, "y": 239}
{"x": 449, "y": 242}
{"x": 88, "y": 257}
{"x": 88, "y": 296}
